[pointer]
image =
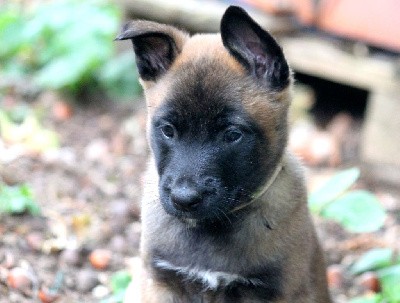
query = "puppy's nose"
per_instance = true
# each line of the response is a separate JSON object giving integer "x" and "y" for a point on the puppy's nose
{"x": 185, "y": 197}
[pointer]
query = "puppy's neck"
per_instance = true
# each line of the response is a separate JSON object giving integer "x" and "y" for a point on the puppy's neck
{"x": 210, "y": 280}
{"x": 264, "y": 189}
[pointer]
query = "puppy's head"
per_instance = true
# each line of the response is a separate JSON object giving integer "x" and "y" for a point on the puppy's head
{"x": 217, "y": 112}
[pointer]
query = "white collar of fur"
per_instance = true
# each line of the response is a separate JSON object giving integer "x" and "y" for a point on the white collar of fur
{"x": 211, "y": 280}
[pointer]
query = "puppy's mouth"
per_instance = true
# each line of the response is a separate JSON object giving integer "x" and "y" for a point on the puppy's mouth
{"x": 196, "y": 208}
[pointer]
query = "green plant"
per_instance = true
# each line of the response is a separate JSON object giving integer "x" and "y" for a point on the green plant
{"x": 355, "y": 210}
{"x": 17, "y": 200}
{"x": 66, "y": 45}
{"x": 386, "y": 263}
{"x": 119, "y": 283}
{"x": 371, "y": 298}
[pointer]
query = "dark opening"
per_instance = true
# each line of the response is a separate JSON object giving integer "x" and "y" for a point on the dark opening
{"x": 332, "y": 98}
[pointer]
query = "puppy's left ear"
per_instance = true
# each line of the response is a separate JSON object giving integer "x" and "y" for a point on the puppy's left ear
{"x": 254, "y": 48}
{"x": 156, "y": 46}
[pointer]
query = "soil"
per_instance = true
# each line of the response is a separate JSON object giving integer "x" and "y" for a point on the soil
{"x": 89, "y": 192}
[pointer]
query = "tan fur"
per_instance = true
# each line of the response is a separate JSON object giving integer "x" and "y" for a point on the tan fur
{"x": 201, "y": 45}
{"x": 268, "y": 113}
{"x": 295, "y": 240}
{"x": 192, "y": 49}
{"x": 291, "y": 241}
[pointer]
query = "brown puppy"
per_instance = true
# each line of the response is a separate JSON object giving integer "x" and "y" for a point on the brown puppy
{"x": 224, "y": 211}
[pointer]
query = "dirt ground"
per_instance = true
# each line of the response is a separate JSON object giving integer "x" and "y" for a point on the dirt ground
{"x": 89, "y": 193}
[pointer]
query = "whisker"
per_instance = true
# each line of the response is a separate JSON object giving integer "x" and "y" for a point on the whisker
{"x": 226, "y": 216}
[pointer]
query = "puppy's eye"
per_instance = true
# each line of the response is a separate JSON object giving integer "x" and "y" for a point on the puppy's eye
{"x": 233, "y": 135}
{"x": 168, "y": 131}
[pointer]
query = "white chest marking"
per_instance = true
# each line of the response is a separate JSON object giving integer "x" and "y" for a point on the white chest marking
{"x": 210, "y": 279}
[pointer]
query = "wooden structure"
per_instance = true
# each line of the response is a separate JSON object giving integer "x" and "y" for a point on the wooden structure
{"x": 315, "y": 56}
{"x": 196, "y": 16}
{"x": 380, "y": 76}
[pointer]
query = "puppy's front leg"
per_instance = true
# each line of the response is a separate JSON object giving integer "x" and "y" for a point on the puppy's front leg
{"x": 153, "y": 292}
{"x": 143, "y": 289}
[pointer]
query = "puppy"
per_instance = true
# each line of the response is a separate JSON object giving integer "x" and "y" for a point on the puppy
{"x": 224, "y": 211}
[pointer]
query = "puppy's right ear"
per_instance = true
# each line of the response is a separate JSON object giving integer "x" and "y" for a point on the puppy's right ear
{"x": 156, "y": 46}
{"x": 254, "y": 48}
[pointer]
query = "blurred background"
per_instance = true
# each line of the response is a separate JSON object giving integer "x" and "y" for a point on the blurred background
{"x": 73, "y": 148}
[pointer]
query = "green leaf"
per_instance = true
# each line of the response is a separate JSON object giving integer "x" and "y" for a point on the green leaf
{"x": 11, "y": 26}
{"x": 357, "y": 211}
{"x": 390, "y": 282}
{"x": 17, "y": 199}
{"x": 120, "y": 281}
{"x": 64, "y": 45}
{"x": 374, "y": 298}
{"x": 115, "y": 298}
{"x": 332, "y": 189}
{"x": 373, "y": 259}
{"x": 120, "y": 78}
{"x": 63, "y": 71}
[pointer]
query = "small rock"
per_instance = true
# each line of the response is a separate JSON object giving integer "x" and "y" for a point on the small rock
{"x": 64, "y": 156}
{"x": 118, "y": 144}
{"x": 335, "y": 276}
{"x": 324, "y": 148}
{"x": 86, "y": 280}
{"x": 100, "y": 258}
{"x": 119, "y": 212}
{"x": 19, "y": 278}
{"x": 370, "y": 281}
{"x": 16, "y": 297}
{"x": 118, "y": 244}
{"x": 71, "y": 257}
{"x": 135, "y": 210}
{"x": 389, "y": 201}
{"x": 100, "y": 291}
{"x": 7, "y": 259}
{"x": 70, "y": 281}
{"x": 106, "y": 122}
{"x": 119, "y": 209}
{"x": 97, "y": 150}
{"x": 62, "y": 110}
{"x": 3, "y": 274}
{"x": 47, "y": 296}
{"x": 35, "y": 241}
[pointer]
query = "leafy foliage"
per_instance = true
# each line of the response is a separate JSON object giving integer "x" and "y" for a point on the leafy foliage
{"x": 17, "y": 200}
{"x": 333, "y": 188}
{"x": 356, "y": 211}
{"x": 374, "y": 259}
{"x": 65, "y": 45}
{"x": 119, "y": 282}
{"x": 360, "y": 211}
{"x": 373, "y": 298}
{"x": 390, "y": 281}
{"x": 386, "y": 263}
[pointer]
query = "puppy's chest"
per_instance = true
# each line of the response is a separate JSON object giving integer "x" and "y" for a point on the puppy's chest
{"x": 200, "y": 285}
{"x": 207, "y": 279}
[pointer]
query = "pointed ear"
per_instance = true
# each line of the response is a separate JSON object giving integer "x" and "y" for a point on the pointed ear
{"x": 254, "y": 48}
{"x": 156, "y": 46}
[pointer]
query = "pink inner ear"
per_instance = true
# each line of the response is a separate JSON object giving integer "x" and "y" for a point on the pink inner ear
{"x": 260, "y": 58}
{"x": 256, "y": 49}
